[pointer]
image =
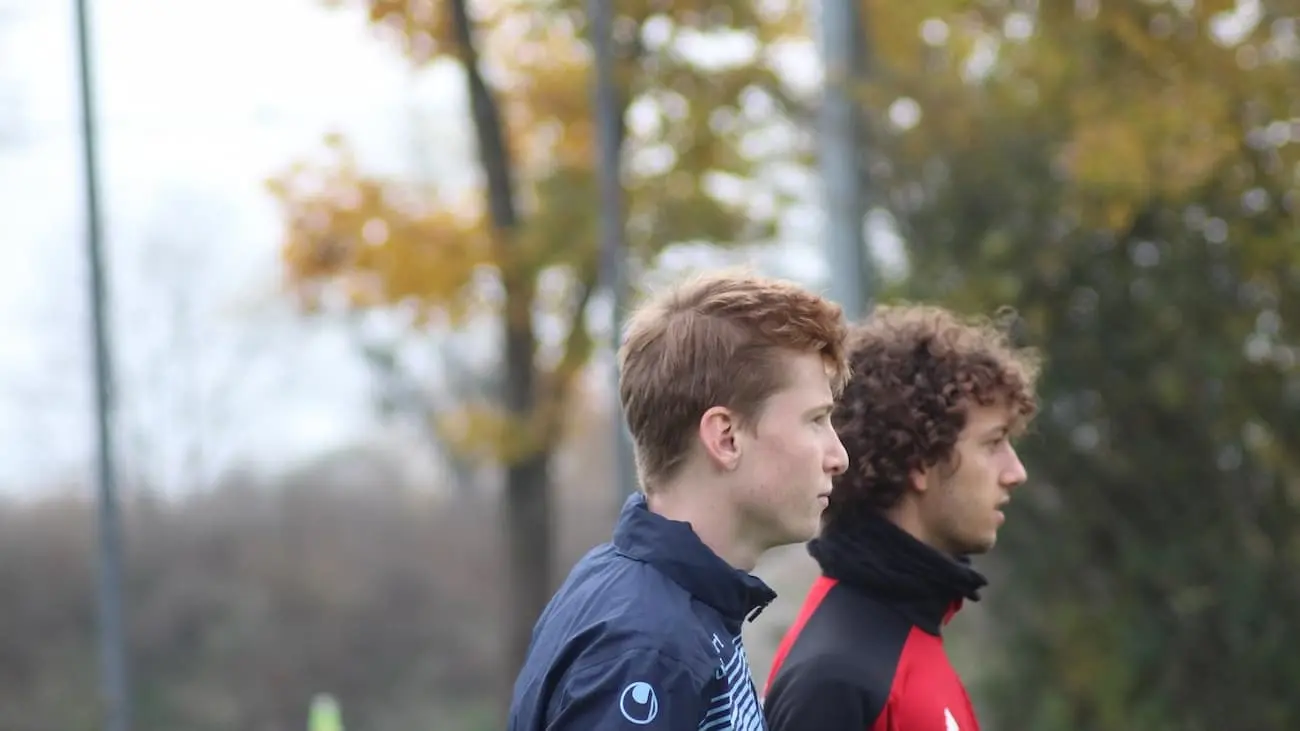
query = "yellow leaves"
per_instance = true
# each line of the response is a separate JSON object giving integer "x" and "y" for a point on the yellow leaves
{"x": 902, "y": 33}
{"x": 768, "y": 18}
{"x": 547, "y": 93}
{"x": 781, "y": 21}
{"x": 1134, "y": 142}
{"x": 486, "y": 433}
{"x": 1151, "y": 114}
{"x": 1139, "y": 100}
{"x": 535, "y": 56}
{"x": 422, "y": 27}
{"x": 378, "y": 242}
{"x": 1099, "y": 144}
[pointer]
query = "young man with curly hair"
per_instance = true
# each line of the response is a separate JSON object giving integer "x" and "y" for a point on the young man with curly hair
{"x": 932, "y": 404}
{"x": 727, "y": 383}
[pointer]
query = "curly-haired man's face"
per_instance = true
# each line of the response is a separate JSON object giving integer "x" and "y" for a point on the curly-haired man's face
{"x": 789, "y": 457}
{"x": 961, "y": 508}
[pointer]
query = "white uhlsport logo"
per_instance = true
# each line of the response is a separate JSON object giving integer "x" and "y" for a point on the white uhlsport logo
{"x": 950, "y": 721}
{"x": 639, "y": 704}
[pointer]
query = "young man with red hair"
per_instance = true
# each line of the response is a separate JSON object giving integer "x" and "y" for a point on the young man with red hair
{"x": 727, "y": 384}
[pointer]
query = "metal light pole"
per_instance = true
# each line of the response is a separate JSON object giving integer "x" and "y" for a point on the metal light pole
{"x": 843, "y": 50}
{"x": 613, "y": 239}
{"x": 113, "y": 667}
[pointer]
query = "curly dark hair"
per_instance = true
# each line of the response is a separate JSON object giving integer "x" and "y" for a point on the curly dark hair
{"x": 914, "y": 372}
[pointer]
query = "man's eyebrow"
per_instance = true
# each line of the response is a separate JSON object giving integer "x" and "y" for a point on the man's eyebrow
{"x": 824, "y": 408}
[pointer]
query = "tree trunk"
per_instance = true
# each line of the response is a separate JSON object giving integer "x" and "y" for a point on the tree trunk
{"x": 527, "y": 505}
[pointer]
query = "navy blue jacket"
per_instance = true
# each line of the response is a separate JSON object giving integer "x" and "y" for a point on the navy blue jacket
{"x": 644, "y": 634}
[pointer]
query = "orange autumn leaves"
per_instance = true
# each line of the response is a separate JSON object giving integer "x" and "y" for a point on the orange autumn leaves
{"x": 383, "y": 241}
{"x": 379, "y": 242}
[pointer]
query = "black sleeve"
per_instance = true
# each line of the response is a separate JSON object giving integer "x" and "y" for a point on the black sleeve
{"x": 636, "y": 689}
{"x": 821, "y": 700}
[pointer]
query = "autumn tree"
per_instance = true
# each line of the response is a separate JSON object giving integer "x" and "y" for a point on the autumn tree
{"x": 699, "y": 89}
{"x": 1123, "y": 173}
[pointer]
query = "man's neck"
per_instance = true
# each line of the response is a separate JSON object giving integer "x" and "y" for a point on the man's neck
{"x": 907, "y": 517}
{"x": 712, "y": 518}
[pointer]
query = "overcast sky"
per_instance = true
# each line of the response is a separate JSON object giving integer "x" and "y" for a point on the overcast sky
{"x": 199, "y": 103}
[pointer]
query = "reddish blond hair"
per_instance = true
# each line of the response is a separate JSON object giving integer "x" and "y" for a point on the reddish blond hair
{"x": 716, "y": 340}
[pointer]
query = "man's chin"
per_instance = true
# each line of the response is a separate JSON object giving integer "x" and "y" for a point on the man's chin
{"x": 794, "y": 534}
{"x": 975, "y": 548}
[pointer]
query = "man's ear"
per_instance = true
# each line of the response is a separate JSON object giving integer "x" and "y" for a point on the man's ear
{"x": 718, "y": 430}
{"x": 919, "y": 480}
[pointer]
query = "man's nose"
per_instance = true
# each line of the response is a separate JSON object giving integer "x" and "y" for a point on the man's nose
{"x": 839, "y": 458}
{"x": 1015, "y": 473}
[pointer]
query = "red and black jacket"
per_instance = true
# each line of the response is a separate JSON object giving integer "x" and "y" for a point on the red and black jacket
{"x": 865, "y": 653}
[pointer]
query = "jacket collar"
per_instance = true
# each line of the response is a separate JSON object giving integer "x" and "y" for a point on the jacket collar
{"x": 871, "y": 554}
{"x": 673, "y": 549}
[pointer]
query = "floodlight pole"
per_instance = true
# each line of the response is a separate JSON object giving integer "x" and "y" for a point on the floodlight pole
{"x": 613, "y": 235}
{"x": 841, "y": 148}
{"x": 114, "y": 680}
